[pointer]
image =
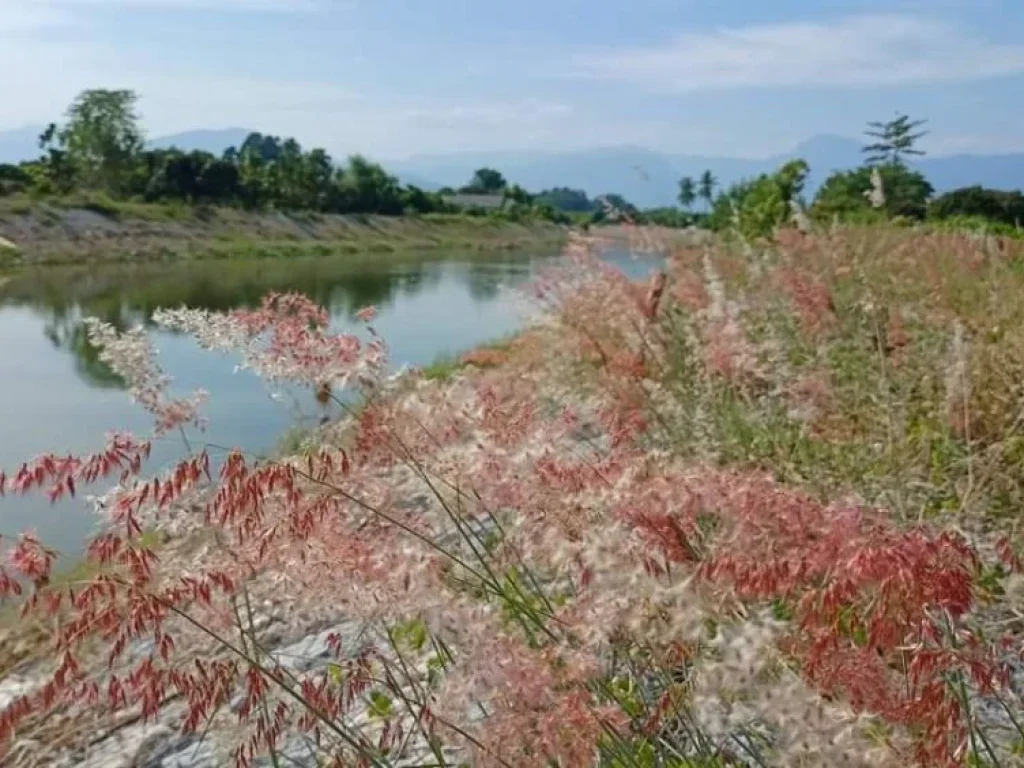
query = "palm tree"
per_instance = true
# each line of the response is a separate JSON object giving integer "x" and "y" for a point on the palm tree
{"x": 706, "y": 188}
{"x": 687, "y": 192}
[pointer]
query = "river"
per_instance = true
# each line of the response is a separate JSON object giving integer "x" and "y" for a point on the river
{"x": 56, "y": 396}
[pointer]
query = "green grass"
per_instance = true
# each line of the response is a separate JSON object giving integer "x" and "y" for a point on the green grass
{"x": 447, "y": 366}
{"x": 443, "y": 368}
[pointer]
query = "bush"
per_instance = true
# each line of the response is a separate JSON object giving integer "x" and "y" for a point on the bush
{"x": 13, "y": 179}
{"x": 845, "y": 194}
{"x": 757, "y": 207}
{"x": 977, "y": 202}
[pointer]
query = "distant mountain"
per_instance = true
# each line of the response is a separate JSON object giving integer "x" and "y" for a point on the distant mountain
{"x": 214, "y": 141}
{"x": 23, "y": 143}
{"x": 649, "y": 178}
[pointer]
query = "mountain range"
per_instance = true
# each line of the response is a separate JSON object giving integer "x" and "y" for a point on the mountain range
{"x": 645, "y": 177}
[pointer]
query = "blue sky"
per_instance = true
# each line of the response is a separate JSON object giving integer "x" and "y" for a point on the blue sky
{"x": 393, "y": 78}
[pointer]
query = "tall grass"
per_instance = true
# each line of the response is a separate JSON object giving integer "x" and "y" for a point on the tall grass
{"x": 761, "y": 511}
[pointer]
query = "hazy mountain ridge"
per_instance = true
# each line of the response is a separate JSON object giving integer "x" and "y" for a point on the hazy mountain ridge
{"x": 649, "y": 178}
{"x": 23, "y": 143}
{"x": 646, "y": 177}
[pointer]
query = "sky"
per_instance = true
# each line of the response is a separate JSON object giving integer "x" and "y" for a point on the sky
{"x": 394, "y": 78}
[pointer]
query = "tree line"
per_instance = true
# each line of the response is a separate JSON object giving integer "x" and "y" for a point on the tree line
{"x": 101, "y": 148}
{"x": 885, "y": 186}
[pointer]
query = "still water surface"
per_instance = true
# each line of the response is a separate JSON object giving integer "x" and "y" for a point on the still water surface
{"x": 56, "y": 396}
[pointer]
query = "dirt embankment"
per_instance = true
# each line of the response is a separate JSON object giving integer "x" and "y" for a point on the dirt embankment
{"x": 45, "y": 233}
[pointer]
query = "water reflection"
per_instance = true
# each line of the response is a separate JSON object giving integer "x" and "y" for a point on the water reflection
{"x": 127, "y": 295}
{"x": 71, "y": 336}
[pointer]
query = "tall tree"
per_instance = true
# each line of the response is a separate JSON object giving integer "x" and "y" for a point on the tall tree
{"x": 706, "y": 188}
{"x": 102, "y": 137}
{"x": 687, "y": 192}
{"x": 894, "y": 140}
{"x": 486, "y": 181}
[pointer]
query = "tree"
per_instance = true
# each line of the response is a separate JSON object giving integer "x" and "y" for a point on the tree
{"x": 486, "y": 181}
{"x": 758, "y": 206}
{"x": 845, "y": 193}
{"x": 687, "y": 192}
{"x": 415, "y": 200}
{"x": 55, "y": 173}
{"x": 618, "y": 202}
{"x": 706, "y": 188}
{"x": 102, "y": 137}
{"x": 13, "y": 178}
{"x": 517, "y": 195}
{"x": 219, "y": 180}
{"x": 791, "y": 178}
{"x": 894, "y": 140}
{"x": 566, "y": 199}
{"x": 992, "y": 204}
{"x": 367, "y": 188}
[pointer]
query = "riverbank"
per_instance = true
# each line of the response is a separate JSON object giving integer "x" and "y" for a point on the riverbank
{"x": 72, "y": 232}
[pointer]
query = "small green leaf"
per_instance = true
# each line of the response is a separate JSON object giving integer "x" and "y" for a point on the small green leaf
{"x": 380, "y": 705}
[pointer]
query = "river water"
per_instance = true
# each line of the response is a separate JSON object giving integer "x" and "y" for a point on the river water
{"x": 56, "y": 396}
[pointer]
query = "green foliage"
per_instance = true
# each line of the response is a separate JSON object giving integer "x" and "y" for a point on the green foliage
{"x": 706, "y": 186}
{"x": 668, "y": 217}
{"x": 845, "y": 193}
{"x": 757, "y": 206}
{"x": 100, "y": 149}
{"x": 566, "y": 199}
{"x": 485, "y": 181}
{"x": 192, "y": 177}
{"x": 978, "y": 224}
{"x": 13, "y": 179}
{"x": 517, "y": 195}
{"x": 894, "y": 140}
{"x": 381, "y": 705}
{"x": 791, "y": 178}
{"x": 977, "y": 202}
{"x": 687, "y": 192}
{"x": 102, "y": 138}
{"x": 612, "y": 206}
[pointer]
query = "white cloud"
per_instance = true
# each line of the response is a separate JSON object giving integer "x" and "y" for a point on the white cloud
{"x": 851, "y": 52}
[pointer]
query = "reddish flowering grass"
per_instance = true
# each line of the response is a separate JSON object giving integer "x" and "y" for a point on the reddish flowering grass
{"x": 545, "y": 555}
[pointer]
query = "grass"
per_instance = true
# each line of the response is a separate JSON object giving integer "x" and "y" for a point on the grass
{"x": 73, "y": 572}
{"x": 488, "y": 355}
{"x": 825, "y": 431}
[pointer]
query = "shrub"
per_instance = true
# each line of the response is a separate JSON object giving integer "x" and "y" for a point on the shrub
{"x": 845, "y": 194}
{"x": 992, "y": 205}
{"x": 757, "y": 207}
